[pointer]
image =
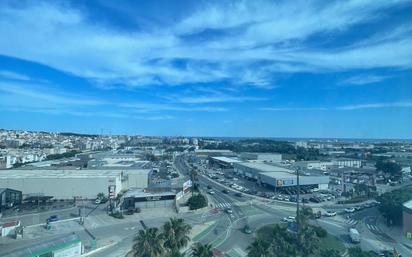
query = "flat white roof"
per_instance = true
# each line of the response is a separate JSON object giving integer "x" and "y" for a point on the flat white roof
{"x": 408, "y": 204}
{"x": 64, "y": 173}
{"x": 225, "y": 159}
{"x": 279, "y": 175}
{"x": 264, "y": 167}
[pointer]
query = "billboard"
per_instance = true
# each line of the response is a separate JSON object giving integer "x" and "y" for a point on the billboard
{"x": 279, "y": 183}
{"x": 112, "y": 192}
{"x": 188, "y": 184}
{"x": 288, "y": 182}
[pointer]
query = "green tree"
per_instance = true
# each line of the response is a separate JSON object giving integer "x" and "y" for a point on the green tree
{"x": 176, "y": 233}
{"x": 202, "y": 250}
{"x": 329, "y": 253}
{"x": 197, "y": 201}
{"x": 308, "y": 242}
{"x": 283, "y": 242}
{"x": 357, "y": 252}
{"x": 259, "y": 248}
{"x": 391, "y": 204}
{"x": 391, "y": 168}
{"x": 149, "y": 243}
{"x": 100, "y": 195}
{"x": 175, "y": 253}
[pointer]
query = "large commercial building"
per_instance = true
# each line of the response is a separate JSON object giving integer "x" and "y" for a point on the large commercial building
{"x": 407, "y": 219}
{"x": 277, "y": 176}
{"x": 72, "y": 183}
{"x": 223, "y": 162}
{"x": 262, "y": 157}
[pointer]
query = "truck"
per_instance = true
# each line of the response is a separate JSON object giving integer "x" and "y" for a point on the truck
{"x": 354, "y": 235}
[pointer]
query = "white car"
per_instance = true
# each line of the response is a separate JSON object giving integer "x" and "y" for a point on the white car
{"x": 330, "y": 213}
{"x": 350, "y": 210}
{"x": 211, "y": 192}
{"x": 289, "y": 219}
{"x": 98, "y": 201}
{"x": 228, "y": 210}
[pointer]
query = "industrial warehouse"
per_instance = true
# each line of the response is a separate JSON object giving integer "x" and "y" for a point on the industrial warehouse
{"x": 277, "y": 176}
{"x": 73, "y": 183}
{"x": 143, "y": 199}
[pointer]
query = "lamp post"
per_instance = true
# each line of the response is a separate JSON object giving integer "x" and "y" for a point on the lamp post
{"x": 297, "y": 200}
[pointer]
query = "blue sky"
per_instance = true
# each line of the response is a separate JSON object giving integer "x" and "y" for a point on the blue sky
{"x": 208, "y": 68}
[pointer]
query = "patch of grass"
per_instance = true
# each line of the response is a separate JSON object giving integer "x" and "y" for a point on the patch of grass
{"x": 331, "y": 242}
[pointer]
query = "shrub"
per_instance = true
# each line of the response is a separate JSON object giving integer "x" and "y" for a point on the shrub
{"x": 197, "y": 201}
{"x": 320, "y": 232}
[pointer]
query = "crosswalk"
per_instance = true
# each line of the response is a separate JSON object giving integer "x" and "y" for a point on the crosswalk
{"x": 223, "y": 205}
{"x": 351, "y": 222}
{"x": 373, "y": 228}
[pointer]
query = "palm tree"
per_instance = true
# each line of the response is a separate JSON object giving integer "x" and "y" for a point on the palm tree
{"x": 149, "y": 243}
{"x": 175, "y": 253}
{"x": 329, "y": 253}
{"x": 200, "y": 250}
{"x": 283, "y": 242}
{"x": 259, "y": 248}
{"x": 308, "y": 242}
{"x": 176, "y": 234}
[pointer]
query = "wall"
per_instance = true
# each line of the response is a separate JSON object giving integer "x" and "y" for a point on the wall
{"x": 62, "y": 188}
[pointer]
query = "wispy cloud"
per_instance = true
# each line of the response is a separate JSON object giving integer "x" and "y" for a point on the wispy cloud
{"x": 253, "y": 41}
{"x": 44, "y": 95}
{"x": 5, "y": 74}
{"x": 363, "y": 80}
{"x": 292, "y": 109}
{"x": 159, "y": 107}
{"x": 214, "y": 99}
{"x": 375, "y": 105}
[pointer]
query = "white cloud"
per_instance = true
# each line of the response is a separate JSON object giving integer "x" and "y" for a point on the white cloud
{"x": 363, "y": 79}
{"x": 5, "y": 74}
{"x": 269, "y": 38}
{"x": 30, "y": 95}
{"x": 375, "y": 105}
{"x": 159, "y": 107}
{"x": 292, "y": 109}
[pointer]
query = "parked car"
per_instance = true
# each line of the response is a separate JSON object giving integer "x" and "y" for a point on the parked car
{"x": 211, "y": 192}
{"x": 247, "y": 230}
{"x": 314, "y": 200}
{"x": 52, "y": 218}
{"x": 350, "y": 210}
{"x": 330, "y": 213}
{"x": 289, "y": 219}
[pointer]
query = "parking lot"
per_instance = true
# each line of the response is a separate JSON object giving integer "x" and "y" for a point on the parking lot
{"x": 249, "y": 186}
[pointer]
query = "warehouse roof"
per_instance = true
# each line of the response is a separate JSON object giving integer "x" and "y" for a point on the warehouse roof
{"x": 279, "y": 175}
{"x": 408, "y": 204}
{"x": 264, "y": 167}
{"x": 225, "y": 159}
{"x": 65, "y": 173}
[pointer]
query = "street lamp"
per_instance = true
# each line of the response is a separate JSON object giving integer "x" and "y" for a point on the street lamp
{"x": 297, "y": 198}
